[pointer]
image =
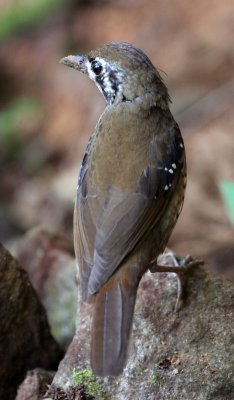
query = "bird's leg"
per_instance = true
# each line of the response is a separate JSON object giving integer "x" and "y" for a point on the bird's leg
{"x": 169, "y": 262}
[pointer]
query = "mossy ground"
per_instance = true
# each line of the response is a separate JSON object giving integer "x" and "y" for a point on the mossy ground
{"x": 92, "y": 386}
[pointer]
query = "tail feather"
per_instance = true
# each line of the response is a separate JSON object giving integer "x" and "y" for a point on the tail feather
{"x": 112, "y": 322}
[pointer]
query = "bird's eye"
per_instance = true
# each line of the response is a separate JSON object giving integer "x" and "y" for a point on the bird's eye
{"x": 96, "y": 67}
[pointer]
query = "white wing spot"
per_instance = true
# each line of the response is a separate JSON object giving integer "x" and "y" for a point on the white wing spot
{"x": 181, "y": 145}
{"x": 166, "y": 187}
{"x": 171, "y": 171}
{"x": 173, "y": 165}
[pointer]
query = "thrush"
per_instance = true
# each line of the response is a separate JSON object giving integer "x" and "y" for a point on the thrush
{"x": 130, "y": 193}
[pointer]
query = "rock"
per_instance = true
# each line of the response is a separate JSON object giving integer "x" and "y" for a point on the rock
{"x": 25, "y": 339}
{"x": 48, "y": 258}
{"x": 183, "y": 355}
{"x": 35, "y": 385}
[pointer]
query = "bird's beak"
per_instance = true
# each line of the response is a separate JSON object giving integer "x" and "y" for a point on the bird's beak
{"x": 76, "y": 62}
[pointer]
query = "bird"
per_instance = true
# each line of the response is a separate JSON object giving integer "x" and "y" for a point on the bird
{"x": 130, "y": 193}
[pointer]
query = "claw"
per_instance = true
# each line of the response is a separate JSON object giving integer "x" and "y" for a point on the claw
{"x": 179, "y": 265}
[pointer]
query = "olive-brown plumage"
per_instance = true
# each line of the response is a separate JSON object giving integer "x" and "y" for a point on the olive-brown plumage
{"x": 130, "y": 193}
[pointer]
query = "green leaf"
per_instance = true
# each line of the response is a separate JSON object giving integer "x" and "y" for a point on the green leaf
{"x": 227, "y": 190}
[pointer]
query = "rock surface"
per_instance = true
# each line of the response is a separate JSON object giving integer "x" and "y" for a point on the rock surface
{"x": 34, "y": 385}
{"x": 48, "y": 258}
{"x": 173, "y": 356}
{"x": 25, "y": 339}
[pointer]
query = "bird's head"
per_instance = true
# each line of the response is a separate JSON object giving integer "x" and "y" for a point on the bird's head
{"x": 121, "y": 72}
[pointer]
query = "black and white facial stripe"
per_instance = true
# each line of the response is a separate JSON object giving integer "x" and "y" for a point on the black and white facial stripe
{"x": 107, "y": 77}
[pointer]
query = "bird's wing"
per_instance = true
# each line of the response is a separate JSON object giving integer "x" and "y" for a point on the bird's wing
{"x": 84, "y": 228}
{"x": 126, "y": 217}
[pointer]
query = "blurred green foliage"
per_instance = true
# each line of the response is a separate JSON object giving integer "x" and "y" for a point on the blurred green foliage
{"x": 25, "y": 13}
{"x": 13, "y": 119}
{"x": 227, "y": 191}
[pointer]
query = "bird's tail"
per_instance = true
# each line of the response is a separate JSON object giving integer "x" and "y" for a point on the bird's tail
{"x": 112, "y": 322}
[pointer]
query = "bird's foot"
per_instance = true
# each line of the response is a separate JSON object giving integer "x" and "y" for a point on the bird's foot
{"x": 169, "y": 262}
